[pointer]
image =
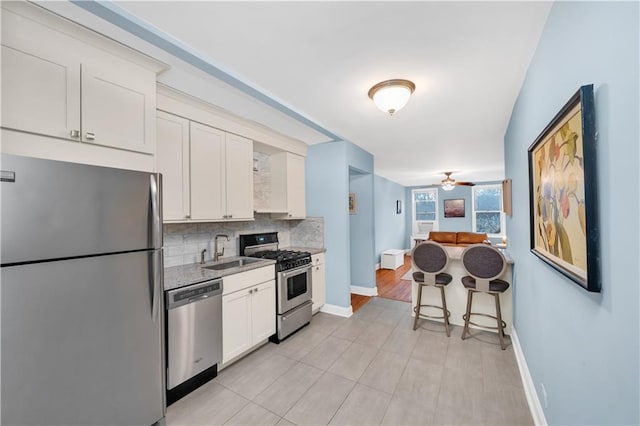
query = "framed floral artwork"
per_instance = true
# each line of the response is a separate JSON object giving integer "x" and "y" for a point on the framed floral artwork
{"x": 565, "y": 232}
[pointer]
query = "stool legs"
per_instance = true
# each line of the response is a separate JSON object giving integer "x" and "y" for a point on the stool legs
{"x": 417, "y": 307}
{"x": 445, "y": 313}
{"x": 466, "y": 316}
{"x": 499, "y": 316}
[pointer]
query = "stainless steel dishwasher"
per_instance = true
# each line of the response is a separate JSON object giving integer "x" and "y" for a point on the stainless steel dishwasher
{"x": 194, "y": 332}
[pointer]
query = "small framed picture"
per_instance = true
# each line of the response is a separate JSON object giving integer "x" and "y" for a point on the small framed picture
{"x": 353, "y": 207}
{"x": 454, "y": 208}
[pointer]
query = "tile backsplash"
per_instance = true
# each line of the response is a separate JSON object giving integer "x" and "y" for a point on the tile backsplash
{"x": 183, "y": 242}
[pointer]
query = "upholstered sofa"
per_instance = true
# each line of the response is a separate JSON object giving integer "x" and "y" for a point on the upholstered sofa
{"x": 461, "y": 239}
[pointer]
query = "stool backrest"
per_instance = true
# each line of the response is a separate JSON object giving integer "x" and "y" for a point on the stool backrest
{"x": 484, "y": 263}
{"x": 430, "y": 258}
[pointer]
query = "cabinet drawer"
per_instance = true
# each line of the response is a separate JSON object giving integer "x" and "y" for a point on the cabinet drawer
{"x": 235, "y": 282}
{"x": 317, "y": 259}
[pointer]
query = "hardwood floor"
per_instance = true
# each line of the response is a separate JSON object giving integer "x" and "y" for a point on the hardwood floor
{"x": 391, "y": 285}
{"x": 358, "y": 301}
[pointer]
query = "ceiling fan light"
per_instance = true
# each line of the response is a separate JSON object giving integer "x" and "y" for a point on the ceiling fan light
{"x": 448, "y": 183}
{"x": 448, "y": 186}
{"x": 391, "y": 95}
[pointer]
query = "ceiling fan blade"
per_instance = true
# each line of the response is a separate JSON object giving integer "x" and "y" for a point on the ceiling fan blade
{"x": 465, "y": 183}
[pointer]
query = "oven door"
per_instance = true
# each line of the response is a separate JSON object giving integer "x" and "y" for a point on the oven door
{"x": 294, "y": 288}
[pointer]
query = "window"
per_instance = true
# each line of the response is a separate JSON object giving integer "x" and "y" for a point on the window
{"x": 425, "y": 210}
{"x": 487, "y": 210}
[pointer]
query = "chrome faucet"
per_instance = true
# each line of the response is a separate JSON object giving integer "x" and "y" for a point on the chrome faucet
{"x": 216, "y": 253}
{"x": 202, "y": 256}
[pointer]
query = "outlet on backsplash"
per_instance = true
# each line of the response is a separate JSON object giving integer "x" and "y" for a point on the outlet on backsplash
{"x": 184, "y": 242}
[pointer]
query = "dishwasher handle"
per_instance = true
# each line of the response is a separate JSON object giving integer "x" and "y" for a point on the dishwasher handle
{"x": 193, "y": 293}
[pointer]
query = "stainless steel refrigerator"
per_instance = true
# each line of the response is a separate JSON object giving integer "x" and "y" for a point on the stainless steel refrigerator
{"x": 81, "y": 294}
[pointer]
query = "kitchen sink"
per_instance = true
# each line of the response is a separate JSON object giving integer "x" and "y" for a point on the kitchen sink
{"x": 221, "y": 266}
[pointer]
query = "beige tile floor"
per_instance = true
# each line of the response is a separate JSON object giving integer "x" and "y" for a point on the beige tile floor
{"x": 369, "y": 369}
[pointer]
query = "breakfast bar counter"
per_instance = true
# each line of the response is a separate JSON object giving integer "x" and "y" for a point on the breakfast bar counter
{"x": 456, "y": 294}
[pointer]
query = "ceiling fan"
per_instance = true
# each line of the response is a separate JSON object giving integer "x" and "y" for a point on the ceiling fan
{"x": 448, "y": 183}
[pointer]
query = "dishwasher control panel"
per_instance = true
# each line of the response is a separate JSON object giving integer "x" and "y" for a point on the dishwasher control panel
{"x": 192, "y": 293}
{"x": 189, "y": 293}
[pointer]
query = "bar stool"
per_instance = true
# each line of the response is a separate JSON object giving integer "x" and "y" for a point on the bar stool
{"x": 484, "y": 264}
{"x": 429, "y": 259}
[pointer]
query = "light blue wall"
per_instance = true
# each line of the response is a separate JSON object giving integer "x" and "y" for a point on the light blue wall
{"x": 584, "y": 347}
{"x": 456, "y": 224}
{"x": 391, "y": 228}
{"x": 449, "y": 224}
{"x": 362, "y": 231}
{"x": 362, "y": 235}
{"x": 327, "y": 188}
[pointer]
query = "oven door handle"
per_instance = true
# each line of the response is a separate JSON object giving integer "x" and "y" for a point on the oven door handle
{"x": 293, "y": 272}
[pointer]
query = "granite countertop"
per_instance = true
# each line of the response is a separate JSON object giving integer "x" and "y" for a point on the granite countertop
{"x": 308, "y": 249}
{"x": 182, "y": 275}
{"x": 456, "y": 253}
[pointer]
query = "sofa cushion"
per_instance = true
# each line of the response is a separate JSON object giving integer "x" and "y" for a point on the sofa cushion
{"x": 443, "y": 237}
{"x": 471, "y": 238}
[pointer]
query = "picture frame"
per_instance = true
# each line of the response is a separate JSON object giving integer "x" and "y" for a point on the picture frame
{"x": 563, "y": 205}
{"x": 506, "y": 197}
{"x": 454, "y": 208}
{"x": 353, "y": 206}
{"x": 398, "y": 207}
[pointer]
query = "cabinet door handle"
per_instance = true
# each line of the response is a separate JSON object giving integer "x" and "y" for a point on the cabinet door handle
{"x": 90, "y": 136}
{"x": 74, "y": 134}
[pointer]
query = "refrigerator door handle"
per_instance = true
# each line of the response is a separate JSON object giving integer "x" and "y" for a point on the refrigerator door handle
{"x": 155, "y": 223}
{"x": 155, "y": 260}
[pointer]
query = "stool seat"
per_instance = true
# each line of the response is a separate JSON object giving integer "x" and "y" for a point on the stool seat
{"x": 441, "y": 278}
{"x": 495, "y": 286}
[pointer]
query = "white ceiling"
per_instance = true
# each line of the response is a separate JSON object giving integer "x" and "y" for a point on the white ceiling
{"x": 467, "y": 59}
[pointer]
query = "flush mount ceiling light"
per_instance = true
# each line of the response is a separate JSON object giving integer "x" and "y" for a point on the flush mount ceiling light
{"x": 391, "y": 95}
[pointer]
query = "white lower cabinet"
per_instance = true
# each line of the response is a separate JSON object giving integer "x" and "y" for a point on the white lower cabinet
{"x": 248, "y": 311}
{"x": 318, "y": 282}
{"x": 236, "y": 324}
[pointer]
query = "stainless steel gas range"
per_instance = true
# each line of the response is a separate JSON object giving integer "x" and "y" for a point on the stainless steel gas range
{"x": 293, "y": 281}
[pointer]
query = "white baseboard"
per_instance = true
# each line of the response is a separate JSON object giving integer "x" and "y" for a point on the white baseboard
{"x": 340, "y": 311}
{"x": 364, "y": 291}
{"x": 529, "y": 386}
{"x": 377, "y": 266}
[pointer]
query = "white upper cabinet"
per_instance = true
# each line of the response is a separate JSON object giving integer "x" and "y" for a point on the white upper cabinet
{"x": 239, "y": 175}
{"x": 207, "y": 173}
{"x": 40, "y": 91}
{"x": 172, "y": 160}
{"x": 287, "y": 186}
{"x": 66, "y": 83}
{"x": 208, "y": 184}
{"x": 118, "y": 106}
